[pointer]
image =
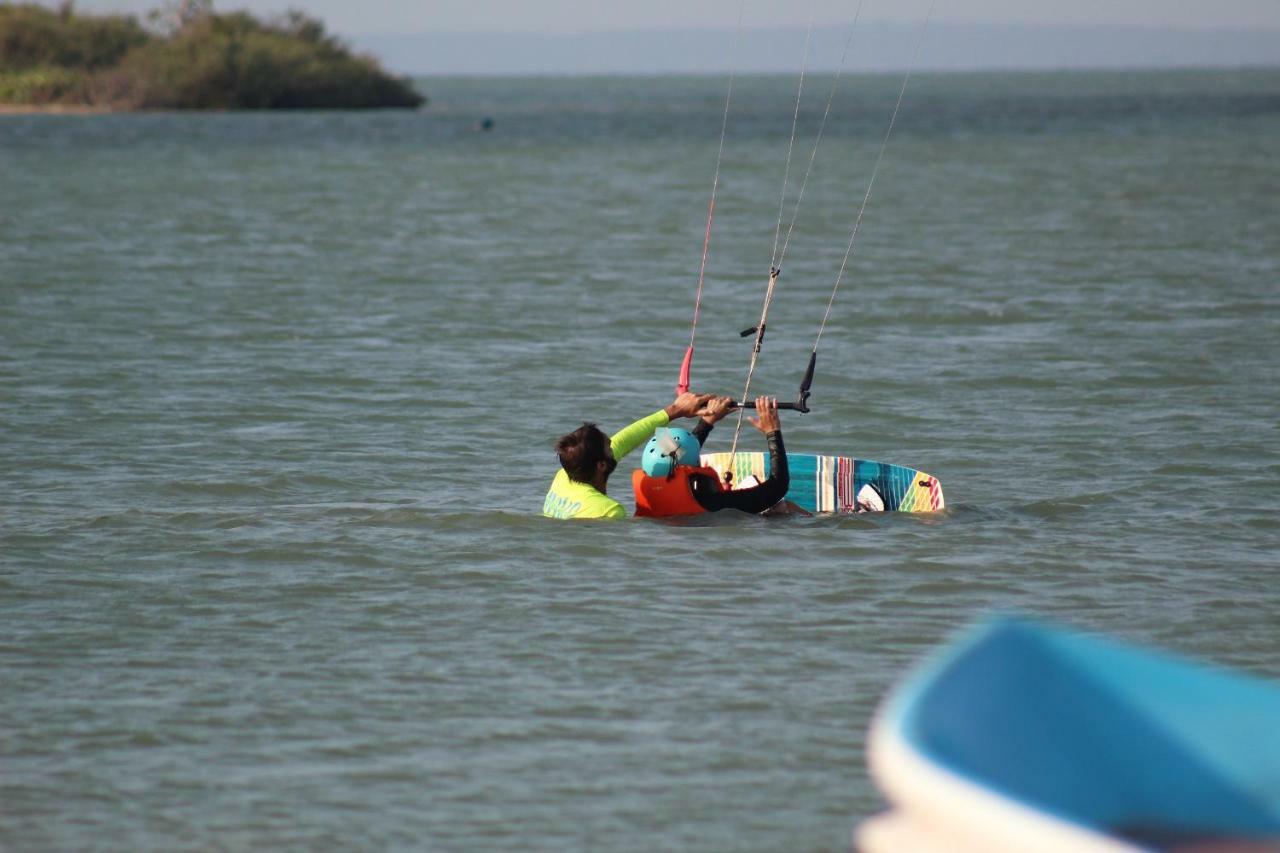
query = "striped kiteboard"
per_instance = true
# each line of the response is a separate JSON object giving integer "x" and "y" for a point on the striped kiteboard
{"x": 833, "y": 483}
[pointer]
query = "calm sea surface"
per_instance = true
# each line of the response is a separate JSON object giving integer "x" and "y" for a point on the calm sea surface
{"x": 278, "y": 395}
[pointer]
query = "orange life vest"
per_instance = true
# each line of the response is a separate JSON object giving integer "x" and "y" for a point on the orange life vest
{"x": 658, "y": 497}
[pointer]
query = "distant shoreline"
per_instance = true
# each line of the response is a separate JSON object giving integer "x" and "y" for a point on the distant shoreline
{"x": 92, "y": 109}
{"x": 54, "y": 109}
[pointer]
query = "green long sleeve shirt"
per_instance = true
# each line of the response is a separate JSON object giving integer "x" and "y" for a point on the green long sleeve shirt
{"x": 570, "y": 499}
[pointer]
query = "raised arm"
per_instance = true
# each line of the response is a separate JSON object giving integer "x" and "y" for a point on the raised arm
{"x": 715, "y": 409}
{"x": 627, "y": 439}
{"x": 759, "y": 498}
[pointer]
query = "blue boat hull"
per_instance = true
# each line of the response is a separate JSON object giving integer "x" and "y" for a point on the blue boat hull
{"x": 1057, "y": 740}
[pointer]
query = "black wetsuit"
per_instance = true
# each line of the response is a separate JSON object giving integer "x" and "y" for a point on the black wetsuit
{"x": 756, "y": 499}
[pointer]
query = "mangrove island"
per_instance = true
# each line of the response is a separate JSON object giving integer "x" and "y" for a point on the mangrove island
{"x": 184, "y": 57}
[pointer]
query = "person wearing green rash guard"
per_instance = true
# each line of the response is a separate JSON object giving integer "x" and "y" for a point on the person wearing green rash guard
{"x": 588, "y": 457}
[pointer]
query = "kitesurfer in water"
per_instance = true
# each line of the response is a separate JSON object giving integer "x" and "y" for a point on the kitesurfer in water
{"x": 672, "y": 480}
{"x": 588, "y": 457}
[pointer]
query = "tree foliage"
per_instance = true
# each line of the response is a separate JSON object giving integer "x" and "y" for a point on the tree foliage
{"x": 32, "y": 36}
{"x": 190, "y": 58}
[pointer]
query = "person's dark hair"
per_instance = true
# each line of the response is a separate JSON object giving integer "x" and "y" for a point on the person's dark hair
{"x": 580, "y": 450}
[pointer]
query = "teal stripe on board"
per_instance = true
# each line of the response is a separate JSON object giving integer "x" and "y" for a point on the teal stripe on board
{"x": 804, "y": 480}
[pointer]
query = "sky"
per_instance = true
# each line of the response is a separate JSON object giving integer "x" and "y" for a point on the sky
{"x": 386, "y": 17}
{"x": 431, "y": 37}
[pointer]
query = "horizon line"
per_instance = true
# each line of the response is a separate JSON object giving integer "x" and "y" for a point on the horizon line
{"x": 1065, "y": 69}
{"x": 1025, "y": 25}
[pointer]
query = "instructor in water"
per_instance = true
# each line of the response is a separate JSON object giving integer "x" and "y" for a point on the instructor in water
{"x": 588, "y": 457}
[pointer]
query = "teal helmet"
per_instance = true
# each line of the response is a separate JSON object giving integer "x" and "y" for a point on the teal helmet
{"x": 670, "y": 446}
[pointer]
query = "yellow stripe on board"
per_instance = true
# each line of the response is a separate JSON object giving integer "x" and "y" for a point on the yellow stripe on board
{"x": 744, "y": 465}
{"x": 922, "y": 498}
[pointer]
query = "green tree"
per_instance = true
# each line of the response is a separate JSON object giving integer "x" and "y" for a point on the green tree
{"x": 191, "y": 58}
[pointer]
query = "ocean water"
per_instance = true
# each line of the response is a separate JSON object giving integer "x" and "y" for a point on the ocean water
{"x": 278, "y": 394}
